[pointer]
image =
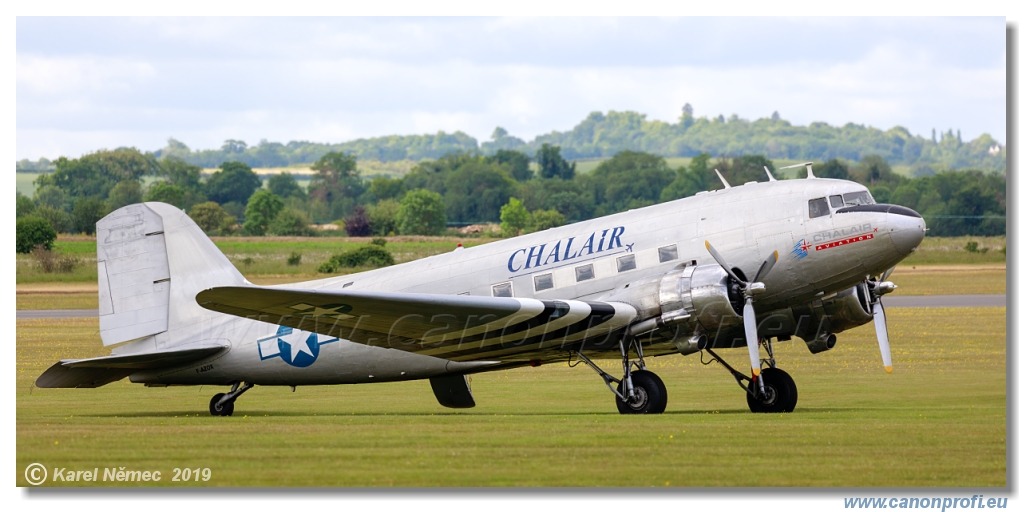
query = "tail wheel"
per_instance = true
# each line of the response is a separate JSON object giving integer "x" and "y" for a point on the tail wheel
{"x": 779, "y": 392}
{"x": 649, "y": 394}
{"x": 224, "y": 409}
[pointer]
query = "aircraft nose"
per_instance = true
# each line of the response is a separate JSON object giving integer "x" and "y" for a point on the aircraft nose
{"x": 906, "y": 229}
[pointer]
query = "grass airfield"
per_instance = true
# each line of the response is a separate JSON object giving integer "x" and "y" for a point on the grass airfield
{"x": 938, "y": 421}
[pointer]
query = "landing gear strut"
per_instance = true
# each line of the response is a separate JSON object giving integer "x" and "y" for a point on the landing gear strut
{"x": 771, "y": 391}
{"x": 223, "y": 404}
{"x": 639, "y": 391}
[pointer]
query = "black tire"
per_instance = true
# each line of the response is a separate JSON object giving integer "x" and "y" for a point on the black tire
{"x": 650, "y": 395}
{"x": 224, "y": 409}
{"x": 780, "y": 390}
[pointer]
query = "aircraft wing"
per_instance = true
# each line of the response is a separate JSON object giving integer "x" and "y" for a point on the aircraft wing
{"x": 454, "y": 327}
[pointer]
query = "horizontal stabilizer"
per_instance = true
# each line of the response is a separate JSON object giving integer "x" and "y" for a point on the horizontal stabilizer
{"x": 95, "y": 372}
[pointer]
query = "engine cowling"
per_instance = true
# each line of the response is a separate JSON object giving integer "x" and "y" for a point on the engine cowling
{"x": 818, "y": 322}
{"x": 685, "y": 306}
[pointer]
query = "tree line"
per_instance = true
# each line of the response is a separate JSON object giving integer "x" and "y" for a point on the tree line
{"x": 520, "y": 191}
{"x": 603, "y": 135}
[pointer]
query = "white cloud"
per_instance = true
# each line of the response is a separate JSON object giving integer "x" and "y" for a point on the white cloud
{"x": 332, "y": 79}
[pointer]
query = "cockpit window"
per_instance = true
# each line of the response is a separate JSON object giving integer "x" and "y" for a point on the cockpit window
{"x": 858, "y": 198}
{"x": 836, "y": 201}
{"x": 817, "y": 207}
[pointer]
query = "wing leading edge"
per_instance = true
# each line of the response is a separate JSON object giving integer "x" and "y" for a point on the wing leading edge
{"x": 453, "y": 327}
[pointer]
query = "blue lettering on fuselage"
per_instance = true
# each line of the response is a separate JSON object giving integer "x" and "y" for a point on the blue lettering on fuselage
{"x": 563, "y": 250}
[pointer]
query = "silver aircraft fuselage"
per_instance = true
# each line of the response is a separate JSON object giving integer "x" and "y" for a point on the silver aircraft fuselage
{"x": 828, "y": 234}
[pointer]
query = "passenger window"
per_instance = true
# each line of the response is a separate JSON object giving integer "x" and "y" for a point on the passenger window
{"x": 627, "y": 262}
{"x": 584, "y": 272}
{"x": 502, "y": 290}
{"x": 543, "y": 282}
{"x": 836, "y": 201}
{"x": 817, "y": 207}
{"x": 667, "y": 253}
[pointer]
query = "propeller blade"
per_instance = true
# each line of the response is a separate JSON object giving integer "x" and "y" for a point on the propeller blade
{"x": 750, "y": 329}
{"x": 721, "y": 262}
{"x": 766, "y": 266}
{"x": 886, "y": 274}
{"x": 882, "y": 332}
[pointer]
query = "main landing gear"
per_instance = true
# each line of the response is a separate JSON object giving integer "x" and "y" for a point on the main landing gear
{"x": 639, "y": 391}
{"x": 223, "y": 404}
{"x": 771, "y": 391}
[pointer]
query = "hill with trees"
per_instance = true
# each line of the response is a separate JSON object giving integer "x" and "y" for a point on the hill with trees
{"x": 603, "y": 135}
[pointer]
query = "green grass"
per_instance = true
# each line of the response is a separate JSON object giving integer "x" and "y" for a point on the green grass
{"x": 953, "y": 251}
{"x": 949, "y": 280}
{"x": 938, "y": 421}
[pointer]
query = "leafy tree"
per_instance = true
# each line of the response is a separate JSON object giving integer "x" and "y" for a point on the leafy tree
{"x": 384, "y": 217}
{"x": 358, "y": 223}
{"x": 698, "y": 177}
{"x": 234, "y": 182}
{"x": 475, "y": 192}
{"x": 32, "y": 231}
{"x": 166, "y": 192}
{"x": 567, "y": 197}
{"x": 545, "y": 219}
{"x": 212, "y": 218}
{"x": 94, "y": 175}
{"x": 52, "y": 196}
{"x": 516, "y": 163}
{"x": 24, "y": 206}
{"x": 86, "y": 213}
{"x": 260, "y": 211}
{"x": 873, "y": 169}
{"x": 234, "y": 146}
{"x": 686, "y": 119}
{"x": 501, "y": 140}
{"x": 123, "y": 194}
{"x": 384, "y": 187}
{"x": 747, "y": 168}
{"x": 630, "y": 179}
{"x": 833, "y": 168}
{"x": 421, "y": 212}
{"x": 552, "y": 165}
{"x": 284, "y": 185}
{"x": 181, "y": 173}
{"x": 290, "y": 222}
{"x": 514, "y": 218}
{"x": 61, "y": 220}
{"x": 336, "y": 183}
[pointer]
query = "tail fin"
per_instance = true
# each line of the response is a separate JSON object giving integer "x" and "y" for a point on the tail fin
{"x": 152, "y": 260}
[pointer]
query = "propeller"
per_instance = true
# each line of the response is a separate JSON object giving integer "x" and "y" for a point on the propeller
{"x": 750, "y": 290}
{"x": 879, "y": 287}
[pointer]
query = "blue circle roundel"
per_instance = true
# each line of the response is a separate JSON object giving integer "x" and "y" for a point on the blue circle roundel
{"x": 298, "y": 348}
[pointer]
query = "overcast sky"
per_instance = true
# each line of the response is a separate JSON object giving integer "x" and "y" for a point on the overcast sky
{"x": 84, "y": 84}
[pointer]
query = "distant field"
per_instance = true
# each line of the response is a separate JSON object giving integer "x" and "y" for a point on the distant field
{"x": 939, "y": 421}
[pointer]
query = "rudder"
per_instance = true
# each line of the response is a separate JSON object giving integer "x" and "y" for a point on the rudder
{"x": 152, "y": 259}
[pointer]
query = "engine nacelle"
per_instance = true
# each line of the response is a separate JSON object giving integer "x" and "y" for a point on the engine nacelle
{"x": 818, "y": 322}
{"x": 684, "y": 306}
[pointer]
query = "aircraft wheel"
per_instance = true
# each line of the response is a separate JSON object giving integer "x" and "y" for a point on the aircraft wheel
{"x": 780, "y": 391}
{"x": 224, "y": 409}
{"x": 650, "y": 395}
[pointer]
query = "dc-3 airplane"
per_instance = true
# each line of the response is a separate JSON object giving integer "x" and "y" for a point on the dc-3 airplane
{"x": 736, "y": 267}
